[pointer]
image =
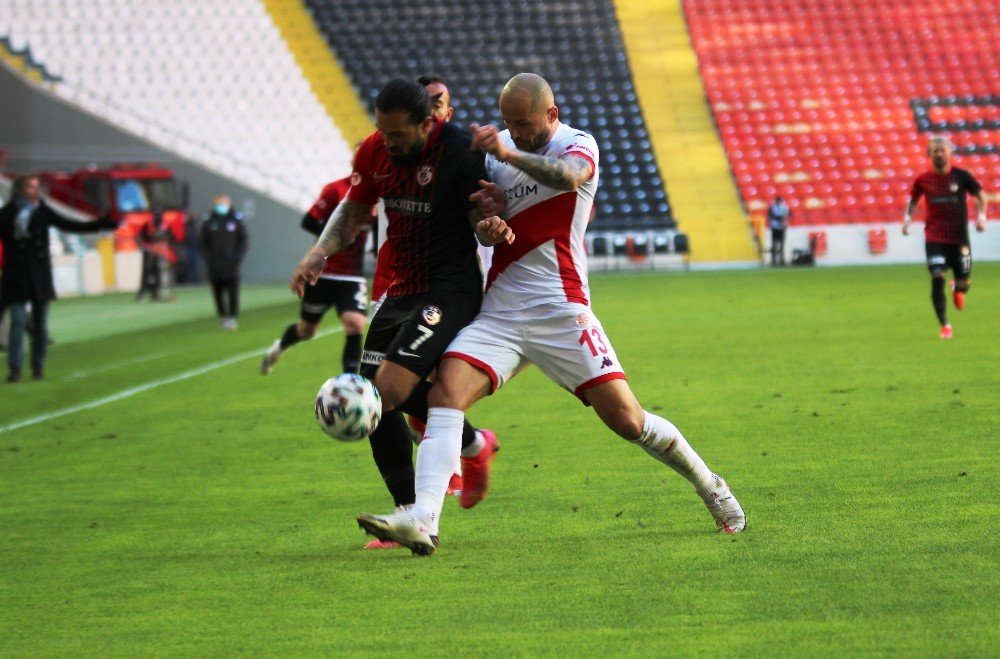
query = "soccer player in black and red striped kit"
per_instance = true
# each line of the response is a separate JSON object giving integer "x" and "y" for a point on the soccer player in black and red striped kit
{"x": 341, "y": 285}
{"x": 946, "y": 231}
{"x": 427, "y": 175}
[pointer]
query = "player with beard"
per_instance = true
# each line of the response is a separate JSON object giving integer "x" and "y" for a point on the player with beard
{"x": 946, "y": 230}
{"x": 427, "y": 176}
{"x": 537, "y": 309}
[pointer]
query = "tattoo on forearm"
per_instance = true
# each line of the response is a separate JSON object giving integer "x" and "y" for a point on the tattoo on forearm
{"x": 558, "y": 173}
{"x": 347, "y": 219}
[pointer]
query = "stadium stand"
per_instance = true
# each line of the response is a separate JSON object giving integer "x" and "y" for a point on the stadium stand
{"x": 830, "y": 103}
{"x": 211, "y": 81}
{"x": 476, "y": 47}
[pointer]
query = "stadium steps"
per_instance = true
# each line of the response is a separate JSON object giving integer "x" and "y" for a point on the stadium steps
{"x": 321, "y": 68}
{"x": 687, "y": 147}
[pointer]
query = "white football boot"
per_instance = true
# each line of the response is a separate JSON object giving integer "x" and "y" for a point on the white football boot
{"x": 726, "y": 510}
{"x": 271, "y": 357}
{"x": 400, "y": 527}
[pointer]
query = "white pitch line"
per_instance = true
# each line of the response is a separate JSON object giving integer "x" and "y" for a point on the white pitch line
{"x": 128, "y": 362}
{"x": 128, "y": 393}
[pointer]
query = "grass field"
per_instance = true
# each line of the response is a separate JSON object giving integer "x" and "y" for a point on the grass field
{"x": 190, "y": 506}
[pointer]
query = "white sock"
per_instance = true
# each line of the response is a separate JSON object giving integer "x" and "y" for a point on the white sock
{"x": 437, "y": 459}
{"x": 474, "y": 448}
{"x": 662, "y": 440}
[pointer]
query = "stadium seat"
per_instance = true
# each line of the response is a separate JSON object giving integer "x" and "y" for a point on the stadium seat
{"x": 593, "y": 84}
{"x": 858, "y": 94}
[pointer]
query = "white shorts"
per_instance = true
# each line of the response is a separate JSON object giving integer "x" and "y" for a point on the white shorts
{"x": 566, "y": 341}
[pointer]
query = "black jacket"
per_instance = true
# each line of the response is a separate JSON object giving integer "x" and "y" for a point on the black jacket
{"x": 224, "y": 243}
{"x": 27, "y": 264}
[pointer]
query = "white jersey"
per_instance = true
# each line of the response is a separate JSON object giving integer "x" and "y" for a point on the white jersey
{"x": 548, "y": 261}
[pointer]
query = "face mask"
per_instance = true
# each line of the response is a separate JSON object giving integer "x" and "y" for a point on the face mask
{"x": 222, "y": 209}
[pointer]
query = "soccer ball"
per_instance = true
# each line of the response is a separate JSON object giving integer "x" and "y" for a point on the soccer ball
{"x": 348, "y": 407}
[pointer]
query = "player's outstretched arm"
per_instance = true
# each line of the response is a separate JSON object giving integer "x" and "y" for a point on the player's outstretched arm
{"x": 347, "y": 220}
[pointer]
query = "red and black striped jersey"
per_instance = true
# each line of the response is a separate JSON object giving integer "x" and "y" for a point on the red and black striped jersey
{"x": 947, "y": 207}
{"x": 348, "y": 261}
{"x": 433, "y": 246}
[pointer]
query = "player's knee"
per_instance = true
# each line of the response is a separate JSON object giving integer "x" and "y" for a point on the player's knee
{"x": 352, "y": 326}
{"x": 624, "y": 419}
{"x": 458, "y": 385}
{"x": 627, "y": 424}
{"x": 442, "y": 394}
{"x": 306, "y": 331}
{"x": 392, "y": 393}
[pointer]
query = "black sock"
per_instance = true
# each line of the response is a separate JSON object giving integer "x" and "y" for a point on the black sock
{"x": 290, "y": 337}
{"x": 416, "y": 405}
{"x": 393, "y": 453}
{"x": 351, "y": 357}
{"x": 938, "y": 298}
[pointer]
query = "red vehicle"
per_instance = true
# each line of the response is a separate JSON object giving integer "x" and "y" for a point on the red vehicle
{"x": 129, "y": 193}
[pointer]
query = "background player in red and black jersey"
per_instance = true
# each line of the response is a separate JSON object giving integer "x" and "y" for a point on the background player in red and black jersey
{"x": 341, "y": 285}
{"x": 425, "y": 172}
{"x": 946, "y": 231}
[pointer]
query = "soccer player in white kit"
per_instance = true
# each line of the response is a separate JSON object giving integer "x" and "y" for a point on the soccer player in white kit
{"x": 537, "y": 310}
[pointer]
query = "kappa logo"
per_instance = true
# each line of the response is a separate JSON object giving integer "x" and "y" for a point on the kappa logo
{"x": 425, "y": 175}
{"x": 607, "y": 363}
{"x": 432, "y": 315}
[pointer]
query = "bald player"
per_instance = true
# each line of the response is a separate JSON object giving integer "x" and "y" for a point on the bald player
{"x": 536, "y": 309}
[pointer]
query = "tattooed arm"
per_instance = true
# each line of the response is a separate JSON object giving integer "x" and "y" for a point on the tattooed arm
{"x": 340, "y": 231}
{"x": 349, "y": 217}
{"x": 567, "y": 173}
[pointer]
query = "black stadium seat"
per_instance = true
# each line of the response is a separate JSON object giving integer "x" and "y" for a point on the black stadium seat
{"x": 477, "y": 47}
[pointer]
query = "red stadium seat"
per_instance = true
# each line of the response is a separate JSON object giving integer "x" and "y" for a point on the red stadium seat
{"x": 825, "y": 90}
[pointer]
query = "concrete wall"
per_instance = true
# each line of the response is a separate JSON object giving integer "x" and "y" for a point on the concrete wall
{"x": 39, "y": 131}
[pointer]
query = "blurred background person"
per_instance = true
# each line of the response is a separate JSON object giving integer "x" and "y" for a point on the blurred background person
{"x": 27, "y": 274}
{"x": 777, "y": 219}
{"x": 224, "y": 244}
{"x": 158, "y": 259}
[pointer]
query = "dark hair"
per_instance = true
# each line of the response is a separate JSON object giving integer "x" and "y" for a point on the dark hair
{"x": 18, "y": 185}
{"x": 430, "y": 80}
{"x": 406, "y": 96}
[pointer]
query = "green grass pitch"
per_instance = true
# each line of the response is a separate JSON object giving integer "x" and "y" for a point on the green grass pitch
{"x": 158, "y": 496}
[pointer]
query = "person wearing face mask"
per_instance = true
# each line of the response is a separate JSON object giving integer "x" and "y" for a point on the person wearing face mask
{"x": 27, "y": 275}
{"x": 224, "y": 242}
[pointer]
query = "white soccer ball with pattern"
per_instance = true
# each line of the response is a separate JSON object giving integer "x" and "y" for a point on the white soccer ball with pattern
{"x": 348, "y": 407}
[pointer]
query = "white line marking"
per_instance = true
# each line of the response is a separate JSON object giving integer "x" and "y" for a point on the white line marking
{"x": 128, "y": 393}
{"x": 112, "y": 366}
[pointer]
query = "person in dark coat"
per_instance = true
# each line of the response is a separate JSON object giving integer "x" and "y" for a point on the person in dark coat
{"x": 224, "y": 243}
{"x": 27, "y": 272}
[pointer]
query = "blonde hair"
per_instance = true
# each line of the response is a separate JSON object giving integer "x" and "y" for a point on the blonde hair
{"x": 940, "y": 139}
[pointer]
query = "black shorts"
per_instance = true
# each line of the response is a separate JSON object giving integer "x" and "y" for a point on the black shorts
{"x": 344, "y": 294}
{"x": 941, "y": 257}
{"x": 414, "y": 330}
